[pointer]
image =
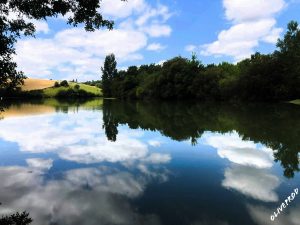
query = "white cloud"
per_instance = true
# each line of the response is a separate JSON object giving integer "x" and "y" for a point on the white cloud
{"x": 154, "y": 143}
{"x": 82, "y": 196}
{"x": 253, "y": 22}
{"x": 79, "y": 138}
{"x": 247, "y": 153}
{"x": 40, "y": 164}
{"x": 161, "y": 11}
{"x": 246, "y": 10}
{"x": 122, "y": 9}
{"x": 155, "y": 47}
{"x": 41, "y": 26}
{"x": 74, "y": 52}
{"x": 157, "y": 30}
{"x": 249, "y": 172}
{"x": 253, "y": 182}
{"x": 190, "y": 48}
{"x": 157, "y": 158}
{"x": 77, "y": 54}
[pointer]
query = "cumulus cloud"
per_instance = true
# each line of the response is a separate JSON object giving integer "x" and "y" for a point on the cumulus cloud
{"x": 76, "y": 54}
{"x": 41, "y": 26}
{"x": 157, "y": 30}
{"x": 255, "y": 183}
{"x": 154, "y": 143}
{"x": 190, "y": 48}
{"x": 76, "y": 137}
{"x": 249, "y": 172}
{"x": 40, "y": 164}
{"x": 247, "y": 153}
{"x": 253, "y": 22}
{"x": 122, "y": 9}
{"x": 81, "y": 196}
{"x": 155, "y": 47}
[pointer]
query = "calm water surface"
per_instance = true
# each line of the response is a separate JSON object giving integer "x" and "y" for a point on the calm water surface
{"x": 111, "y": 162}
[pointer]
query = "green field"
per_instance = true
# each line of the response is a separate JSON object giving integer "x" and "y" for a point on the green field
{"x": 53, "y": 91}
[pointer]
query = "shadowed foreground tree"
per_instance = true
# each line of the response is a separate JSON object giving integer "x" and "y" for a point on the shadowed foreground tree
{"x": 16, "y": 20}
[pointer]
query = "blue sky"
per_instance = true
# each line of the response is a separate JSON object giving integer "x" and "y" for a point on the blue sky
{"x": 151, "y": 31}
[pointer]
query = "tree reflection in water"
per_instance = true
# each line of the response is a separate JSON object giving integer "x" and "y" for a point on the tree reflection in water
{"x": 16, "y": 219}
{"x": 275, "y": 125}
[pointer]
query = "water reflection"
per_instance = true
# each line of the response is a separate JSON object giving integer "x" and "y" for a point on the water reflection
{"x": 148, "y": 163}
{"x": 82, "y": 196}
{"x": 276, "y": 126}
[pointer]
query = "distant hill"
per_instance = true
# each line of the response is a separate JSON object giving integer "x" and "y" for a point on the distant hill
{"x": 46, "y": 88}
{"x": 31, "y": 84}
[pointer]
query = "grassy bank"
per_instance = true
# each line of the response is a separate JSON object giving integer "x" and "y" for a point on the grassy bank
{"x": 54, "y": 91}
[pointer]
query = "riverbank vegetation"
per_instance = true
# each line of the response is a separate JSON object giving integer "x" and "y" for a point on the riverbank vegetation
{"x": 271, "y": 77}
{"x": 36, "y": 88}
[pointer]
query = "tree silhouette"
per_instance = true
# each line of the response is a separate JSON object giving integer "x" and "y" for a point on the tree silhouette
{"x": 16, "y": 219}
{"x": 109, "y": 72}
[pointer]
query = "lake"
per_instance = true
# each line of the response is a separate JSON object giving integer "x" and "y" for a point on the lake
{"x": 186, "y": 163}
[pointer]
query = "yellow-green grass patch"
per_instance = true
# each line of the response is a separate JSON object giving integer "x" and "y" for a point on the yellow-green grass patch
{"x": 53, "y": 91}
{"x": 297, "y": 101}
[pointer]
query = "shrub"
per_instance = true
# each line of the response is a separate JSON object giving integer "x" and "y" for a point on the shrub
{"x": 56, "y": 84}
{"x": 64, "y": 83}
{"x": 77, "y": 87}
{"x": 71, "y": 93}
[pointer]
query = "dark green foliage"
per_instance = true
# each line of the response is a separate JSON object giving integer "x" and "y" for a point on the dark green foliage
{"x": 64, "y": 83}
{"x": 22, "y": 94}
{"x": 77, "y": 87}
{"x": 74, "y": 93}
{"x": 266, "y": 123}
{"x": 16, "y": 219}
{"x": 109, "y": 72}
{"x": 273, "y": 77}
{"x": 81, "y": 12}
{"x": 96, "y": 83}
{"x": 56, "y": 84}
{"x": 110, "y": 123}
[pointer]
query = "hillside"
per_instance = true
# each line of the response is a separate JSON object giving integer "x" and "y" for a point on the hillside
{"x": 45, "y": 88}
{"x": 31, "y": 84}
{"x": 53, "y": 91}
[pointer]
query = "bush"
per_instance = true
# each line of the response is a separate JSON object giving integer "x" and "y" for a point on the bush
{"x": 56, "y": 84}
{"x": 77, "y": 87}
{"x": 64, "y": 83}
{"x": 71, "y": 93}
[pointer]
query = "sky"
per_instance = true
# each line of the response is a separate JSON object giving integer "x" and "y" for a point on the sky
{"x": 152, "y": 31}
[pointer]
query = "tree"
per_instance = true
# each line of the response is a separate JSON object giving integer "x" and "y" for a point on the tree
{"x": 15, "y": 21}
{"x": 64, "y": 83}
{"x": 56, "y": 84}
{"x": 288, "y": 57}
{"x": 16, "y": 219}
{"x": 109, "y": 72}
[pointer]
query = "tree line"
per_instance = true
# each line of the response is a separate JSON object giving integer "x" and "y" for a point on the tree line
{"x": 271, "y": 77}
